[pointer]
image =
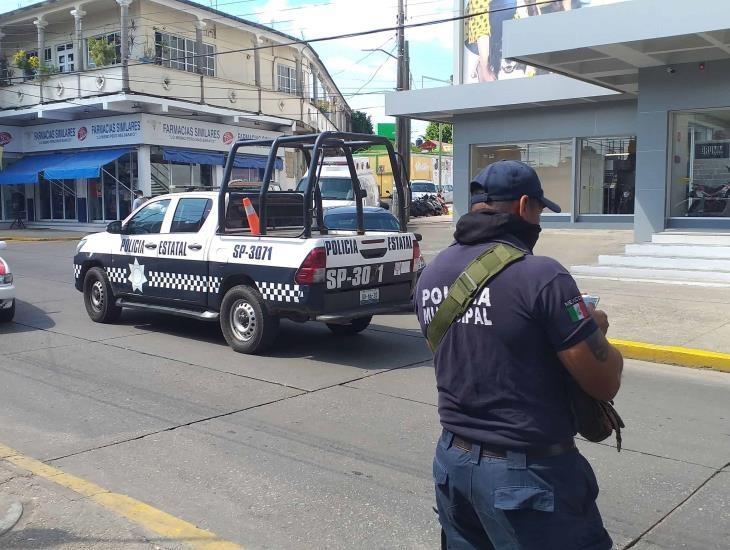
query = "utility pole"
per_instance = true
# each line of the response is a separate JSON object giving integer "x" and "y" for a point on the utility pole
{"x": 441, "y": 147}
{"x": 403, "y": 124}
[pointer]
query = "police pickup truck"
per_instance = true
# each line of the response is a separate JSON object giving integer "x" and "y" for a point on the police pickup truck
{"x": 197, "y": 254}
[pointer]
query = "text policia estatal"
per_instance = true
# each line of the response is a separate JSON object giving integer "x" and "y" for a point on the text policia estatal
{"x": 477, "y": 313}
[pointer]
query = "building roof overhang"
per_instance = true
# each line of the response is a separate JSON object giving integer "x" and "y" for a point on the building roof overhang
{"x": 608, "y": 45}
{"x": 120, "y": 104}
{"x": 444, "y": 103}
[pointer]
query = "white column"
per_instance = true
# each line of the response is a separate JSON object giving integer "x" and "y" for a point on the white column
{"x": 144, "y": 170}
{"x": 299, "y": 72}
{"x": 41, "y": 25}
{"x": 124, "y": 24}
{"x": 257, "y": 43}
{"x": 78, "y": 15}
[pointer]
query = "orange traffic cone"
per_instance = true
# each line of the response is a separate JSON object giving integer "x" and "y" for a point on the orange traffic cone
{"x": 252, "y": 216}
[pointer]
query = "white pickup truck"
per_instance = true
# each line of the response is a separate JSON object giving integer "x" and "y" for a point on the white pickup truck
{"x": 194, "y": 254}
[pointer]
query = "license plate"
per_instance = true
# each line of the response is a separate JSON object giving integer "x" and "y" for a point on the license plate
{"x": 369, "y": 296}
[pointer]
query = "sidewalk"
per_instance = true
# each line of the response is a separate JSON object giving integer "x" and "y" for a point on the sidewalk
{"x": 33, "y": 234}
{"x": 54, "y": 517}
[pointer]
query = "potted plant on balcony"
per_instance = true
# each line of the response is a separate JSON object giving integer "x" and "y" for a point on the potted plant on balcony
{"x": 148, "y": 56}
{"x": 27, "y": 63}
{"x": 102, "y": 52}
{"x": 45, "y": 70}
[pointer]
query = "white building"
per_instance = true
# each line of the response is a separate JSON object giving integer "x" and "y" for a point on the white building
{"x": 90, "y": 126}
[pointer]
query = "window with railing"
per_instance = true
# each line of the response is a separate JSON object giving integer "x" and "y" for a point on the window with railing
{"x": 287, "y": 79}
{"x": 177, "y": 52}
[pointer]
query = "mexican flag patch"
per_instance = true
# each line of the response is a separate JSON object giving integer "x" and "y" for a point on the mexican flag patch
{"x": 577, "y": 309}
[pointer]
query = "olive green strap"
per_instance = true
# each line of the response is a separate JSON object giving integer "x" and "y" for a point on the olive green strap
{"x": 464, "y": 290}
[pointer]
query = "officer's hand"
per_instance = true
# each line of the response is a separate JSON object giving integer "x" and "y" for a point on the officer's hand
{"x": 600, "y": 317}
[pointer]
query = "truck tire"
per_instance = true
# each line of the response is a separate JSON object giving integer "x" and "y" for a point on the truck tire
{"x": 246, "y": 322}
{"x": 353, "y": 327}
{"x": 99, "y": 298}
{"x": 6, "y": 315}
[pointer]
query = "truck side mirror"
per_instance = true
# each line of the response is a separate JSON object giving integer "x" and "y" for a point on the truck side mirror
{"x": 114, "y": 228}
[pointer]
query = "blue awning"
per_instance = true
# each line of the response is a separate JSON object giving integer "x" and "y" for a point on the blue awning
{"x": 84, "y": 164}
{"x": 188, "y": 156}
{"x": 256, "y": 161}
{"x": 26, "y": 169}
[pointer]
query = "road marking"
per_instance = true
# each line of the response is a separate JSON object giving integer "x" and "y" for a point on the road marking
{"x": 134, "y": 510}
{"x": 674, "y": 355}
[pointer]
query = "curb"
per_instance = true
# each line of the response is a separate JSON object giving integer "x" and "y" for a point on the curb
{"x": 37, "y": 239}
{"x": 673, "y": 355}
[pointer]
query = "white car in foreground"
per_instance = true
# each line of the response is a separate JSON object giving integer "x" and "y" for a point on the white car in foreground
{"x": 7, "y": 290}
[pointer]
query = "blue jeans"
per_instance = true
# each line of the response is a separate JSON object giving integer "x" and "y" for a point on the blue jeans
{"x": 516, "y": 504}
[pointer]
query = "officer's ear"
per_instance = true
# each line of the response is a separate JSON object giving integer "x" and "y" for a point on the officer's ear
{"x": 523, "y": 206}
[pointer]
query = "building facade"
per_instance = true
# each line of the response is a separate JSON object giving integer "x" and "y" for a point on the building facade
{"x": 622, "y": 107}
{"x": 99, "y": 98}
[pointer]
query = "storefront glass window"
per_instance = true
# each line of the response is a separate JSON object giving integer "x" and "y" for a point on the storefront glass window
{"x": 700, "y": 174}
{"x": 95, "y": 199}
{"x": 110, "y": 196}
{"x": 607, "y": 174}
{"x": 44, "y": 202}
{"x": 552, "y": 160}
{"x": 171, "y": 177}
{"x": 13, "y": 201}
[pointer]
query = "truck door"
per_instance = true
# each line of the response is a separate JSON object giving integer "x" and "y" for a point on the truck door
{"x": 182, "y": 267}
{"x": 136, "y": 256}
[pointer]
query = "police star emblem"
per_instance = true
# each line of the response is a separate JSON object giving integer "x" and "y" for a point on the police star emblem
{"x": 136, "y": 276}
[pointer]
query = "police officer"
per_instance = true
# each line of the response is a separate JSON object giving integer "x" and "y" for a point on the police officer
{"x": 506, "y": 470}
{"x": 139, "y": 199}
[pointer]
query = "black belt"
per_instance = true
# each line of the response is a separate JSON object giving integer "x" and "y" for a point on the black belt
{"x": 541, "y": 452}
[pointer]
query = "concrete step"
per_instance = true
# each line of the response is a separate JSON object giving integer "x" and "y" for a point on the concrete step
{"x": 695, "y": 239}
{"x": 678, "y": 250}
{"x": 656, "y": 262}
{"x": 672, "y": 275}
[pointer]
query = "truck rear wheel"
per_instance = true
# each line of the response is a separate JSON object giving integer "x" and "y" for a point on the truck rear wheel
{"x": 353, "y": 327}
{"x": 99, "y": 298}
{"x": 246, "y": 323}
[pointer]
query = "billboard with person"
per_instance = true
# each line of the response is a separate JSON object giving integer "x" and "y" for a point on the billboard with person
{"x": 481, "y": 35}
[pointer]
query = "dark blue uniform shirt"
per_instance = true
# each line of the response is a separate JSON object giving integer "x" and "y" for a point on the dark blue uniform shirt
{"x": 498, "y": 375}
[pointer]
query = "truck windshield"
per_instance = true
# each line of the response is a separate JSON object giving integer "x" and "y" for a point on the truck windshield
{"x": 423, "y": 187}
{"x": 337, "y": 189}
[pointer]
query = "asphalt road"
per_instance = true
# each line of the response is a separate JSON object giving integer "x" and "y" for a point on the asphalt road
{"x": 324, "y": 443}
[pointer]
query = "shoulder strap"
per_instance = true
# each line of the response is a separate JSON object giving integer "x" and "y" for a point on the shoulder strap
{"x": 464, "y": 290}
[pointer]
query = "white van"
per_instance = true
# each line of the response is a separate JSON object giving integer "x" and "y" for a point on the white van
{"x": 335, "y": 184}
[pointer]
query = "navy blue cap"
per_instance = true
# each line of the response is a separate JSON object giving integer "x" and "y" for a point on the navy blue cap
{"x": 508, "y": 180}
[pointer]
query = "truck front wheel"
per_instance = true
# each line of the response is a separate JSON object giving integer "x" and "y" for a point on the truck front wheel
{"x": 99, "y": 298}
{"x": 246, "y": 322}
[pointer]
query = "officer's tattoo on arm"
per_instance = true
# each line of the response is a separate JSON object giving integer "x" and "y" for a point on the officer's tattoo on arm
{"x": 598, "y": 345}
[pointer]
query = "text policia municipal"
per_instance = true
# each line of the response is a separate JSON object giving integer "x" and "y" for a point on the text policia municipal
{"x": 475, "y": 315}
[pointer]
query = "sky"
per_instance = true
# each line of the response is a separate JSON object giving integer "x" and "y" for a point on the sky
{"x": 361, "y": 76}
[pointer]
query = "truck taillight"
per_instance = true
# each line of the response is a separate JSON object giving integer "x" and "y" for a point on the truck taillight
{"x": 417, "y": 259}
{"x": 313, "y": 267}
{"x": 5, "y": 277}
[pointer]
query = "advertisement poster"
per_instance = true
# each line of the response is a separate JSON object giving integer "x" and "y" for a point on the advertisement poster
{"x": 482, "y": 35}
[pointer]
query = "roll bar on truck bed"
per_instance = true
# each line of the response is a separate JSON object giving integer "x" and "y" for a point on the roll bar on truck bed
{"x": 315, "y": 147}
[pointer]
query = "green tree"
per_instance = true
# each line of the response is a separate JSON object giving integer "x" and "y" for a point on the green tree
{"x": 432, "y": 132}
{"x": 361, "y": 123}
